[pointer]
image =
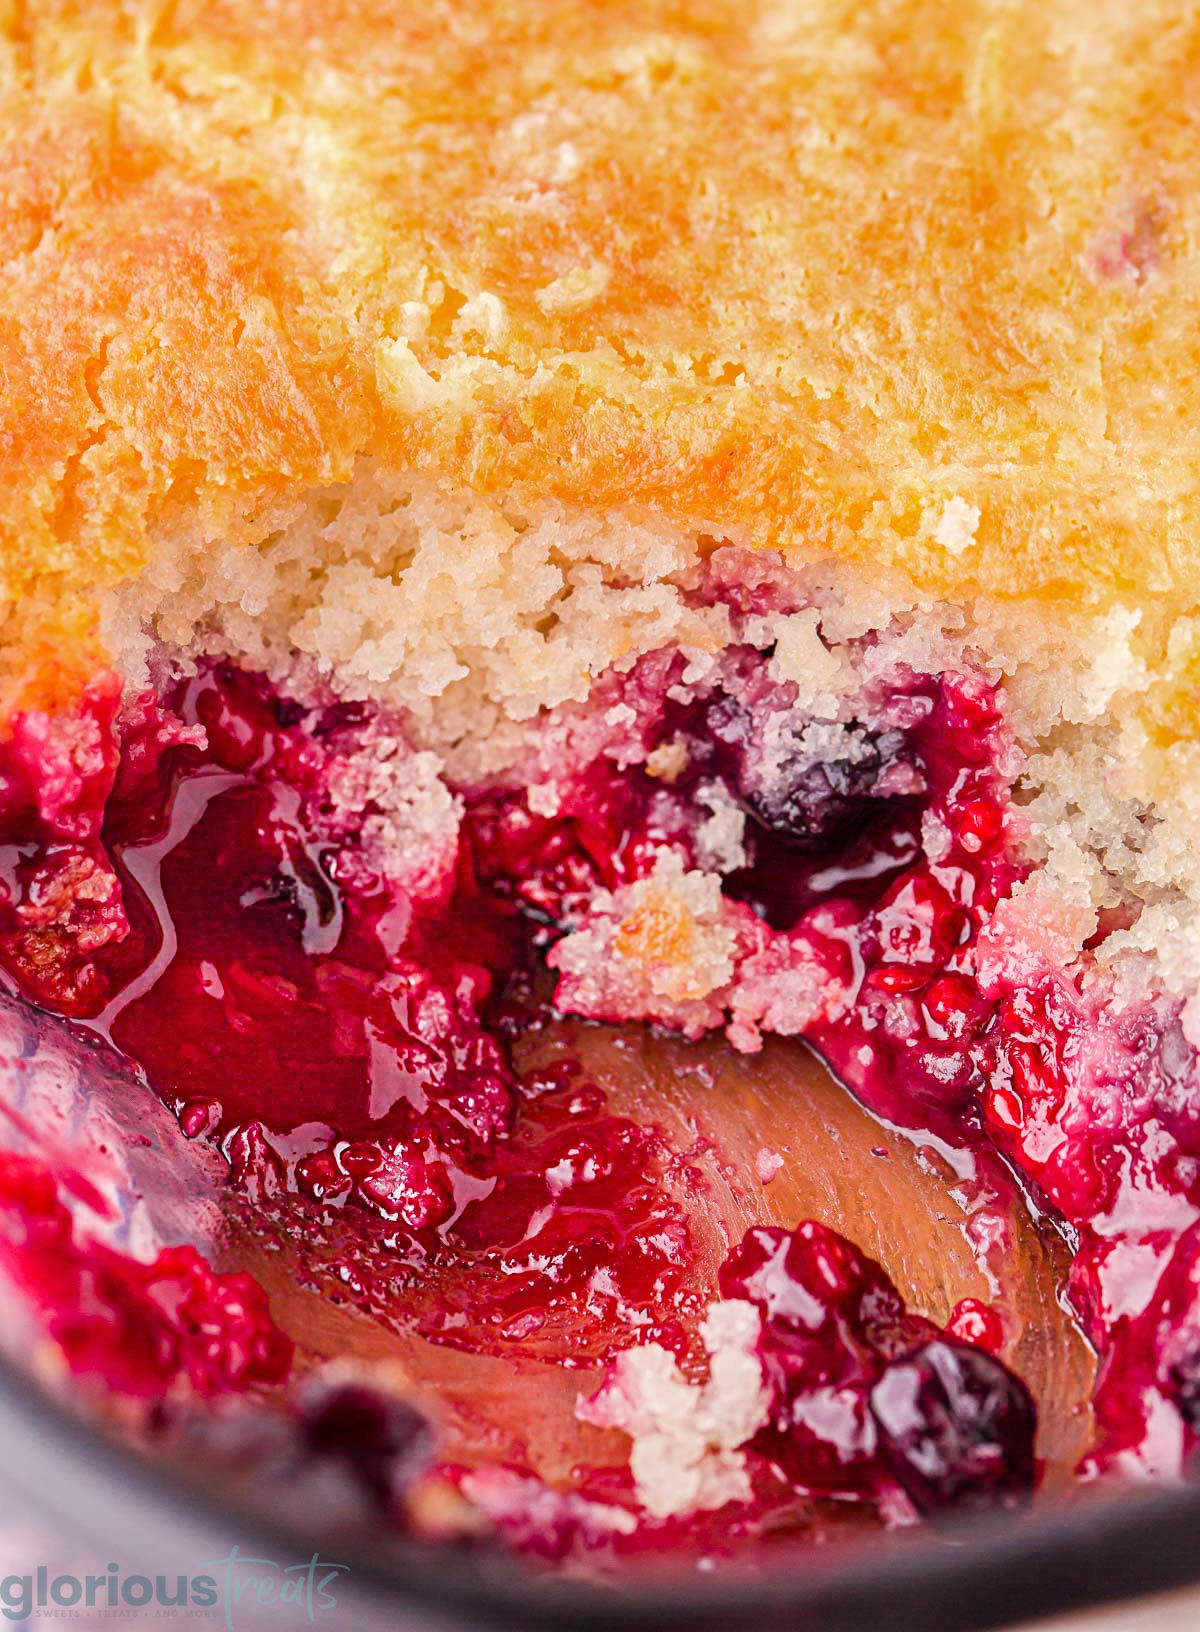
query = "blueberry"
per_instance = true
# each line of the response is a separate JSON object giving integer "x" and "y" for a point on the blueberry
{"x": 382, "y": 1440}
{"x": 808, "y": 800}
{"x": 956, "y": 1428}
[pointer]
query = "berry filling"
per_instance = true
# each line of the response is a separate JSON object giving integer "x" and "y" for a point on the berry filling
{"x": 140, "y": 1329}
{"x": 860, "y": 1389}
{"x": 327, "y": 964}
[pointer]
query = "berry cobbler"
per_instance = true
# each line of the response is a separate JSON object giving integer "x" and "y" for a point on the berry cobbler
{"x": 599, "y": 731}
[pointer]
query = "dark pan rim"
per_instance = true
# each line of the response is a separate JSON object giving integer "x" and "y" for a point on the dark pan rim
{"x": 981, "y": 1575}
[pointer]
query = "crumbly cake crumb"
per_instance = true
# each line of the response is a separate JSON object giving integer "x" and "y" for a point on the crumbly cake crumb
{"x": 686, "y": 1436}
{"x": 956, "y": 525}
{"x": 662, "y": 948}
{"x": 476, "y": 624}
{"x": 469, "y": 616}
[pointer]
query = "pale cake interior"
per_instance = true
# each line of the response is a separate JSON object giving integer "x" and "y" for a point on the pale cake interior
{"x": 474, "y": 622}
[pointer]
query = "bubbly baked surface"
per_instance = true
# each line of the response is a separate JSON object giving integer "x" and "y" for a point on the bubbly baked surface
{"x": 909, "y": 285}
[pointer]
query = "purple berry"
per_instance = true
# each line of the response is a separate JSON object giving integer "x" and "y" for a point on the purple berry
{"x": 382, "y": 1440}
{"x": 956, "y": 1428}
{"x": 806, "y": 797}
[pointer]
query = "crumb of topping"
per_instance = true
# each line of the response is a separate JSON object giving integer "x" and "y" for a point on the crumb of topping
{"x": 1039, "y": 926}
{"x": 821, "y": 676}
{"x": 782, "y": 988}
{"x": 686, "y": 1452}
{"x": 578, "y": 287}
{"x": 543, "y": 798}
{"x": 767, "y": 1164}
{"x": 720, "y": 846}
{"x": 1115, "y": 667}
{"x": 483, "y": 315}
{"x": 664, "y": 948}
{"x": 956, "y": 525}
{"x": 410, "y": 830}
{"x": 532, "y": 1514}
{"x": 668, "y": 761}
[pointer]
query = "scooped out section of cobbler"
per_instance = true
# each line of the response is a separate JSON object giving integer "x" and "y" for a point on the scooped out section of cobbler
{"x": 349, "y": 934}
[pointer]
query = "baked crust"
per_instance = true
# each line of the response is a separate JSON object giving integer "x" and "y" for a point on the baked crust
{"x": 803, "y": 274}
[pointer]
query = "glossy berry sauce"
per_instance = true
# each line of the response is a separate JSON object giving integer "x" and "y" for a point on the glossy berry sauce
{"x": 326, "y": 1026}
{"x": 182, "y": 878}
